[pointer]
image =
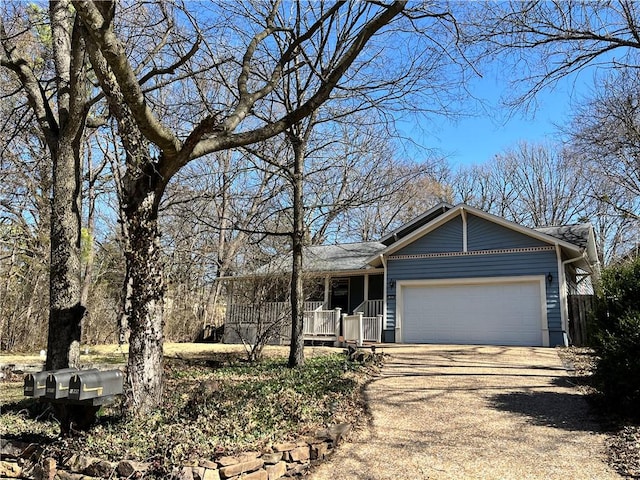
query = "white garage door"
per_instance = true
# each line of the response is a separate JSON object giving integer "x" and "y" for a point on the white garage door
{"x": 482, "y": 313}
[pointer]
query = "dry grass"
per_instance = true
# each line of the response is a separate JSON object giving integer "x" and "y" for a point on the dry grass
{"x": 114, "y": 354}
{"x": 243, "y": 407}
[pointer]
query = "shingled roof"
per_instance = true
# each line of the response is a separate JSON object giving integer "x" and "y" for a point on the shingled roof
{"x": 329, "y": 258}
{"x": 349, "y": 257}
{"x": 577, "y": 234}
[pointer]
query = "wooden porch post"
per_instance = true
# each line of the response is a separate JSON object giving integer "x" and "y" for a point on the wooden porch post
{"x": 326, "y": 291}
{"x": 337, "y": 325}
{"x": 366, "y": 287}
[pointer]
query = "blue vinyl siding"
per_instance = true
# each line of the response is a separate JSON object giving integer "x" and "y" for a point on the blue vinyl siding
{"x": 470, "y": 266}
{"x": 485, "y": 235}
{"x": 446, "y": 238}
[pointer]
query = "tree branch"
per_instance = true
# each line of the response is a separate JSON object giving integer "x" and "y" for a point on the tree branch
{"x": 324, "y": 90}
{"x": 111, "y": 48}
{"x": 36, "y": 96}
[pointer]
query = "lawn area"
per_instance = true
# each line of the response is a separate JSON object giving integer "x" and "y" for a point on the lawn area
{"x": 116, "y": 354}
{"x": 214, "y": 402}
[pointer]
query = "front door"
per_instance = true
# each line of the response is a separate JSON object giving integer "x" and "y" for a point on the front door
{"x": 339, "y": 297}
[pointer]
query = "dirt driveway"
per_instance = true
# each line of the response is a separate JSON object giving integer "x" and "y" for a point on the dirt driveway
{"x": 468, "y": 412}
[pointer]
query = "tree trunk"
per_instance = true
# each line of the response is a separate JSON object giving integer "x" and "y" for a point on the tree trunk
{"x": 145, "y": 303}
{"x": 66, "y": 311}
{"x": 296, "y": 350}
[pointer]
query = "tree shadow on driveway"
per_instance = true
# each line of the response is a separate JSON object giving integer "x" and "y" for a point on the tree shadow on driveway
{"x": 563, "y": 410}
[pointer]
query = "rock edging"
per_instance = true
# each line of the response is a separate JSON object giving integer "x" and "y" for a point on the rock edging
{"x": 280, "y": 460}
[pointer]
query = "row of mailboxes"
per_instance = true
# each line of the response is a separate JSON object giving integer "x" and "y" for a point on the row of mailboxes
{"x": 90, "y": 386}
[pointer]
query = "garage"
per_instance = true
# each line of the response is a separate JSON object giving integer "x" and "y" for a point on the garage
{"x": 489, "y": 311}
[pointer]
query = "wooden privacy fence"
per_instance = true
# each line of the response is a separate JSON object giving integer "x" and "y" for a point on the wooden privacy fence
{"x": 580, "y": 307}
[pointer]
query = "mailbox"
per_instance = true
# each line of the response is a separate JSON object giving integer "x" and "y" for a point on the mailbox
{"x": 35, "y": 383}
{"x": 91, "y": 384}
{"x": 57, "y": 383}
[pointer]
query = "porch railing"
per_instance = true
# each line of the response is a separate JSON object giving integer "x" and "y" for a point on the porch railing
{"x": 319, "y": 324}
{"x": 370, "y": 308}
{"x": 248, "y": 320}
{"x": 322, "y": 323}
{"x": 358, "y": 328}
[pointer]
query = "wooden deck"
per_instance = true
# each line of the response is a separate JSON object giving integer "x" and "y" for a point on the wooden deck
{"x": 246, "y": 323}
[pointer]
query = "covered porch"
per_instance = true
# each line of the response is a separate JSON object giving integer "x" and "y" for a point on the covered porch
{"x": 345, "y": 307}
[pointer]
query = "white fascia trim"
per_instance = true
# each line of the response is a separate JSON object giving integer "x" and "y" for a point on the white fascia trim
{"x": 461, "y": 209}
{"x": 592, "y": 258}
{"x": 464, "y": 230}
{"x": 540, "y": 279}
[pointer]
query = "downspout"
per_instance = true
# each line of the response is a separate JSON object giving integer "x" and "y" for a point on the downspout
{"x": 384, "y": 293}
{"x": 564, "y": 297}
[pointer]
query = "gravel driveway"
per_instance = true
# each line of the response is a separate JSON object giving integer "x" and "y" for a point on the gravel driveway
{"x": 472, "y": 412}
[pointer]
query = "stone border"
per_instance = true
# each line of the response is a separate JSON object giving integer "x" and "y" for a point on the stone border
{"x": 288, "y": 459}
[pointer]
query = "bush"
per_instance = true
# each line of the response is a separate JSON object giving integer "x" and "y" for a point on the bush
{"x": 617, "y": 372}
{"x": 618, "y": 295}
{"x": 616, "y": 337}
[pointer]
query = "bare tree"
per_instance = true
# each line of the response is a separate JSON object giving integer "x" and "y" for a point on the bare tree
{"x": 262, "y": 313}
{"x": 207, "y": 217}
{"x": 544, "y": 41}
{"x": 60, "y": 109}
{"x": 388, "y": 192}
{"x": 535, "y": 185}
{"x": 25, "y": 180}
{"x": 547, "y": 182}
{"x": 156, "y": 152}
{"x": 605, "y": 134}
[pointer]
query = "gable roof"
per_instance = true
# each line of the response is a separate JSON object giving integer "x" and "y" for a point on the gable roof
{"x": 416, "y": 223}
{"x": 574, "y": 240}
{"x": 572, "y": 249}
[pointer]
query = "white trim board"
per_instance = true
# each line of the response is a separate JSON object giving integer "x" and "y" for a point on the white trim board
{"x": 462, "y": 209}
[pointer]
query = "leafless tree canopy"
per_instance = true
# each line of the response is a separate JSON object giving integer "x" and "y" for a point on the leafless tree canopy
{"x": 543, "y": 41}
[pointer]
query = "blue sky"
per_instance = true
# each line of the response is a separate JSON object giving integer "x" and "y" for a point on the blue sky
{"x": 477, "y": 138}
